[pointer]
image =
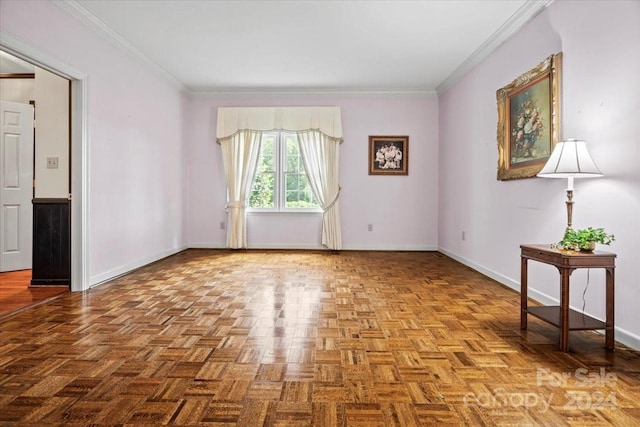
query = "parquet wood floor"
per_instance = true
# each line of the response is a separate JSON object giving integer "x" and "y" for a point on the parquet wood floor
{"x": 16, "y": 294}
{"x": 286, "y": 338}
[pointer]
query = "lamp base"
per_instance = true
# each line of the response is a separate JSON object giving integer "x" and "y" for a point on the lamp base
{"x": 569, "y": 204}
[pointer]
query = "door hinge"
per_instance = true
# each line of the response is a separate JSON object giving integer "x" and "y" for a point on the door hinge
{"x": 34, "y": 183}
{"x": 69, "y": 198}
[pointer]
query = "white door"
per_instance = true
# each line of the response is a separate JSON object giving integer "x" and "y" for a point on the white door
{"x": 16, "y": 185}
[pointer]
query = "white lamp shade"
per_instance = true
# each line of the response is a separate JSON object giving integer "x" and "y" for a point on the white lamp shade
{"x": 570, "y": 159}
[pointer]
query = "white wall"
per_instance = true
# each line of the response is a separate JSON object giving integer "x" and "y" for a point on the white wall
{"x": 402, "y": 209}
{"x": 17, "y": 90}
{"x": 52, "y": 134}
{"x": 135, "y": 140}
{"x": 601, "y": 104}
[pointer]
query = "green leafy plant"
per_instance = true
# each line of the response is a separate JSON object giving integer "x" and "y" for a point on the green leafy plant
{"x": 584, "y": 239}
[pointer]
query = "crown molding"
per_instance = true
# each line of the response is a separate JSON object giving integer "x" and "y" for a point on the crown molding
{"x": 239, "y": 92}
{"x": 523, "y": 15}
{"x": 75, "y": 9}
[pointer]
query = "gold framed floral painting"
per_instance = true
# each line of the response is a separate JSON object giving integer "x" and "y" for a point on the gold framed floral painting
{"x": 529, "y": 120}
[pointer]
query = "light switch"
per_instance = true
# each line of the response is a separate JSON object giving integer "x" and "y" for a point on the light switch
{"x": 52, "y": 163}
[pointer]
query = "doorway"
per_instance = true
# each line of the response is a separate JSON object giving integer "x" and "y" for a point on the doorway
{"x": 79, "y": 205}
{"x": 42, "y": 163}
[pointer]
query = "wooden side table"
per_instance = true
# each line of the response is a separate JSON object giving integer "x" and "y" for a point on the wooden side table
{"x": 562, "y": 316}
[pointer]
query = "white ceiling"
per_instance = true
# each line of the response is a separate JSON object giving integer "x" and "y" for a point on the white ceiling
{"x": 231, "y": 46}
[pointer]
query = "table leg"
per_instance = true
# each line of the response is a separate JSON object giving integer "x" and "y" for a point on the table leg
{"x": 610, "y": 330}
{"x": 523, "y": 293}
{"x": 564, "y": 309}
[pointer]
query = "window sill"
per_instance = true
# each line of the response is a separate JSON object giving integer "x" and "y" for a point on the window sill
{"x": 280, "y": 213}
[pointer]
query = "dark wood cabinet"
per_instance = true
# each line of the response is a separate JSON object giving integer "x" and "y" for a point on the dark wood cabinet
{"x": 51, "y": 242}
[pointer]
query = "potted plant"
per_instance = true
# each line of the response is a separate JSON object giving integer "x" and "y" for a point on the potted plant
{"x": 585, "y": 239}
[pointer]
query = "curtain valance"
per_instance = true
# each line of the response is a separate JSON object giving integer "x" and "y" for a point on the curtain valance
{"x": 233, "y": 119}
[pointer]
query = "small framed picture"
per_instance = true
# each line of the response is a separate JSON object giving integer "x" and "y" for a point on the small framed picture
{"x": 388, "y": 155}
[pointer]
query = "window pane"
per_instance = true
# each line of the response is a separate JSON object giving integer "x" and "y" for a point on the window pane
{"x": 265, "y": 164}
{"x": 298, "y": 194}
{"x": 263, "y": 188}
{"x": 267, "y": 154}
{"x": 291, "y": 141}
{"x": 276, "y": 151}
{"x": 292, "y": 164}
{"x": 292, "y": 181}
{"x": 262, "y": 192}
{"x": 293, "y": 155}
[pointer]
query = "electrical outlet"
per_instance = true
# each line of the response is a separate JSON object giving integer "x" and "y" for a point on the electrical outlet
{"x": 222, "y": 225}
{"x": 464, "y": 236}
{"x": 52, "y": 163}
{"x": 369, "y": 227}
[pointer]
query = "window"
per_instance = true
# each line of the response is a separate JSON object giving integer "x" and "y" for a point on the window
{"x": 281, "y": 182}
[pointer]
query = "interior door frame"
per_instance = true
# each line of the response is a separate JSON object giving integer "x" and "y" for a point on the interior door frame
{"x": 79, "y": 153}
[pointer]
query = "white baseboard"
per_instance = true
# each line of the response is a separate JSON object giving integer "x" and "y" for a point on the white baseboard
{"x": 621, "y": 335}
{"x": 206, "y": 246}
{"x": 256, "y": 246}
{"x": 487, "y": 272}
{"x": 101, "y": 278}
{"x": 627, "y": 338}
{"x": 318, "y": 247}
{"x": 410, "y": 248}
{"x": 286, "y": 247}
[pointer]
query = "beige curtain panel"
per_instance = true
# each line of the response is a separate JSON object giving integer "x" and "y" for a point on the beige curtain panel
{"x": 239, "y": 158}
{"x": 321, "y": 156}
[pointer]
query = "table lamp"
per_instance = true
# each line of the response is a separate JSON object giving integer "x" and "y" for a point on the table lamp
{"x": 570, "y": 159}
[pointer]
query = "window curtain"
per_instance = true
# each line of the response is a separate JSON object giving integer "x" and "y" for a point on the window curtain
{"x": 239, "y": 158}
{"x": 321, "y": 157}
{"x": 238, "y": 131}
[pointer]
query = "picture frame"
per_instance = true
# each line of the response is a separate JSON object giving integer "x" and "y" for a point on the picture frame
{"x": 388, "y": 155}
{"x": 529, "y": 120}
